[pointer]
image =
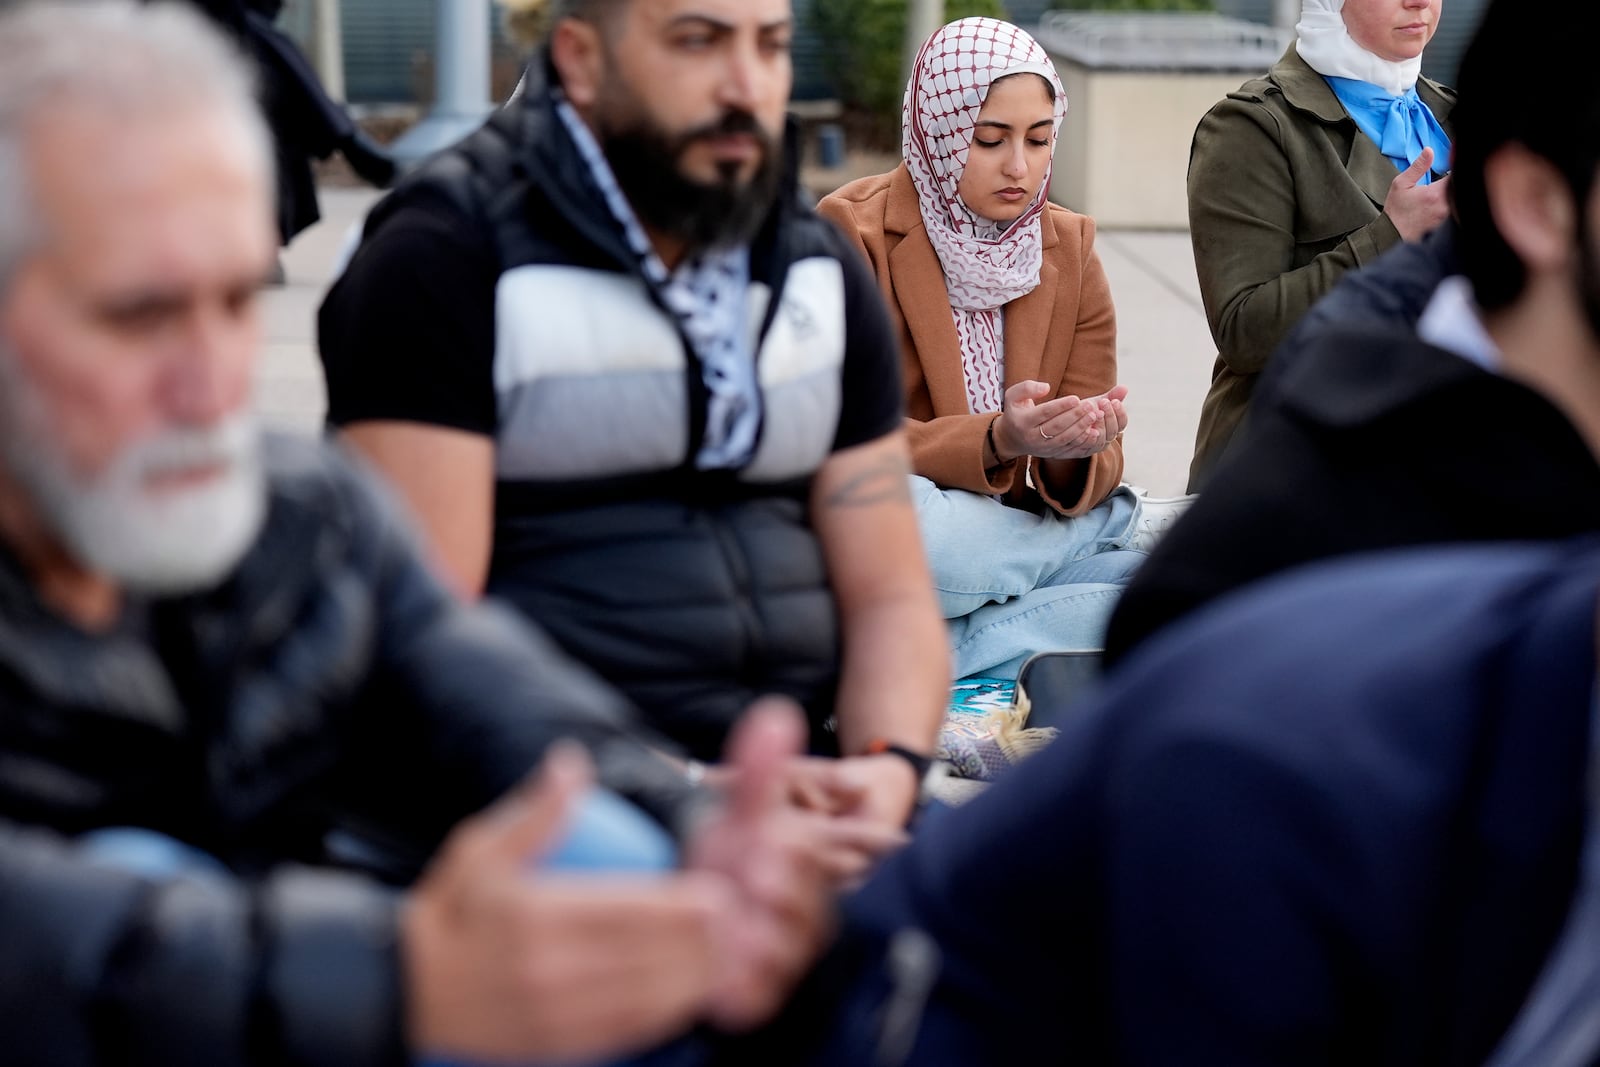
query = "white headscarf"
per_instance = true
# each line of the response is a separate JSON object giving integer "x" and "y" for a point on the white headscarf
{"x": 1327, "y": 47}
{"x": 986, "y": 264}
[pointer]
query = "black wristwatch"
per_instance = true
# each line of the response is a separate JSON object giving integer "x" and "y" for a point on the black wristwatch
{"x": 927, "y": 769}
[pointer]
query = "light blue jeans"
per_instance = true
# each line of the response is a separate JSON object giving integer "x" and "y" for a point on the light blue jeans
{"x": 1012, "y": 583}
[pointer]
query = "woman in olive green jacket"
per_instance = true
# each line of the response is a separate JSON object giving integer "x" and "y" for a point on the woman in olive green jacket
{"x": 1294, "y": 180}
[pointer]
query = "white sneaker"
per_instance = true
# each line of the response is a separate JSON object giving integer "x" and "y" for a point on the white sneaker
{"x": 1156, "y": 516}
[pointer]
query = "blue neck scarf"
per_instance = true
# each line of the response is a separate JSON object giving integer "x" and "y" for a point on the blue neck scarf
{"x": 1401, "y": 126}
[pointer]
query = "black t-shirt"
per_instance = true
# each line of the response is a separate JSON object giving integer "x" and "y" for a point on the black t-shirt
{"x": 407, "y": 332}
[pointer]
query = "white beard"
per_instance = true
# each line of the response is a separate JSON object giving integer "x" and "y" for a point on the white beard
{"x": 177, "y": 540}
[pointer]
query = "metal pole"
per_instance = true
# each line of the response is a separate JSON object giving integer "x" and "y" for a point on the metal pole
{"x": 923, "y": 17}
{"x": 461, "y": 80}
{"x": 329, "y": 47}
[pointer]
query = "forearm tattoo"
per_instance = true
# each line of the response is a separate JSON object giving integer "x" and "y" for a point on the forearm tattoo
{"x": 884, "y": 482}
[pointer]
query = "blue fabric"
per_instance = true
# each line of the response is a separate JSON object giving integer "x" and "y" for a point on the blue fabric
{"x": 149, "y": 853}
{"x": 607, "y": 833}
{"x": 1560, "y": 1024}
{"x": 1401, "y": 126}
{"x": 1340, "y": 810}
{"x": 688, "y": 1052}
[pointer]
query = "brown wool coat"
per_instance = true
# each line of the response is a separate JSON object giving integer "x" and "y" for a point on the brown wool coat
{"x": 1063, "y": 332}
{"x": 1286, "y": 194}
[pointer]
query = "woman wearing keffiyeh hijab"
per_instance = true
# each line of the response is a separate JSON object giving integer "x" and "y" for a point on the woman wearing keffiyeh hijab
{"x": 1008, "y": 340}
{"x": 1336, "y": 155}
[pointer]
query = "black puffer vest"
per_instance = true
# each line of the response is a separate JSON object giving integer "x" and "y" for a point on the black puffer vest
{"x": 694, "y": 591}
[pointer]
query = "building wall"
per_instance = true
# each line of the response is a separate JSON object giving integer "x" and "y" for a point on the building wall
{"x": 1123, "y": 153}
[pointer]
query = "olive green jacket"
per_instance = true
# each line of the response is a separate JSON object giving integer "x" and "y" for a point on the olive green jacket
{"x": 1285, "y": 195}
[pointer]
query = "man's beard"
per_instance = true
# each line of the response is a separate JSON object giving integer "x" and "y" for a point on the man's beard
{"x": 179, "y": 540}
{"x": 648, "y": 164}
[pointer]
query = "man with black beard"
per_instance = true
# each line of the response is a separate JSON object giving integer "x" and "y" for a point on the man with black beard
{"x": 631, "y": 385}
{"x": 1482, "y": 423}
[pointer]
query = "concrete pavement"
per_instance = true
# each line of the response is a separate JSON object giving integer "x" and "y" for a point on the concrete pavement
{"x": 1164, "y": 349}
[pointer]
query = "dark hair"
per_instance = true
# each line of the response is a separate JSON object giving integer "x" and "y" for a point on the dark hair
{"x": 1520, "y": 84}
{"x": 598, "y": 13}
{"x": 595, "y": 11}
{"x": 1049, "y": 90}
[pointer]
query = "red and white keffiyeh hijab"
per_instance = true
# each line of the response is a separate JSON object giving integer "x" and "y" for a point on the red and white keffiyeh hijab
{"x": 986, "y": 264}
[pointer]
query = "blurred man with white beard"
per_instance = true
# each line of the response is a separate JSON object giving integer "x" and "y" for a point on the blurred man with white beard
{"x": 222, "y": 662}
{"x": 130, "y": 328}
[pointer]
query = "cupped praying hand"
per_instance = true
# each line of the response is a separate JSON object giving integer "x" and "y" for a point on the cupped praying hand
{"x": 1068, "y": 427}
